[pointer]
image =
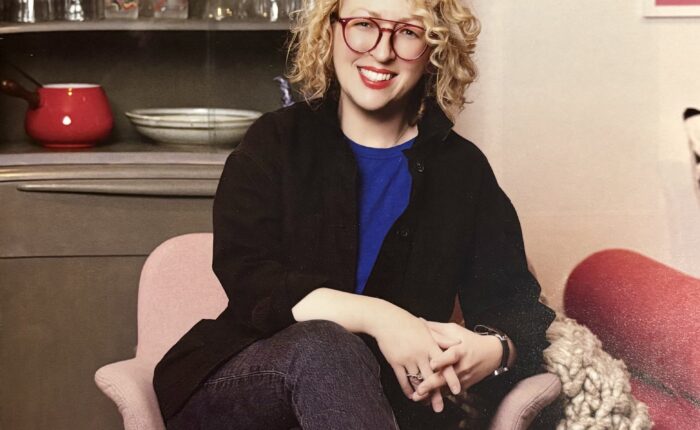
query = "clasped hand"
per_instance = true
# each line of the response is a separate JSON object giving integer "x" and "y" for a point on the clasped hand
{"x": 472, "y": 356}
{"x": 446, "y": 355}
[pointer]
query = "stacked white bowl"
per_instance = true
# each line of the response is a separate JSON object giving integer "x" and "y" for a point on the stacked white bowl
{"x": 193, "y": 126}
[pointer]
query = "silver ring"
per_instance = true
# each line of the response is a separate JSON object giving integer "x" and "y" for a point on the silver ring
{"x": 415, "y": 379}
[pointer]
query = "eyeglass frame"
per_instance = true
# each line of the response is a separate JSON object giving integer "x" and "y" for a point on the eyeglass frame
{"x": 398, "y": 25}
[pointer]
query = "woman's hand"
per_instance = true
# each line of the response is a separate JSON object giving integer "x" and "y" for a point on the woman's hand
{"x": 405, "y": 341}
{"x": 408, "y": 346}
{"x": 474, "y": 357}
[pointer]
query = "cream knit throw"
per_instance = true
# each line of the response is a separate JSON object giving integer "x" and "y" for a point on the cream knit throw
{"x": 595, "y": 386}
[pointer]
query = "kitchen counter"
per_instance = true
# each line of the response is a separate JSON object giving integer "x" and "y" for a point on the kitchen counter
{"x": 26, "y": 153}
{"x": 77, "y": 227}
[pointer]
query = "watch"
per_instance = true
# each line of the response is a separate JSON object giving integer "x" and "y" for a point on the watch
{"x": 490, "y": 331}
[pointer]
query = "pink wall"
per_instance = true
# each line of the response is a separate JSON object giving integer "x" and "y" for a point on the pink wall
{"x": 592, "y": 152}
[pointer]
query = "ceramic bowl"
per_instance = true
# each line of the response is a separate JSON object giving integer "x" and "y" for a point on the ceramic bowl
{"x": 193, "y": 126}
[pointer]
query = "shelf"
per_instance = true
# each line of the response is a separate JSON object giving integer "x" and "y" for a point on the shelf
{"x": 148, "y": 24}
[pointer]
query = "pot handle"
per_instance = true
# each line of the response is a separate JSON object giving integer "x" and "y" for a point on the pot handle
{"x": 12, "y": 88}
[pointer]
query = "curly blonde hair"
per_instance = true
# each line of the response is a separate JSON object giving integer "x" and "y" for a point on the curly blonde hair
{"x": 451, "y": 32}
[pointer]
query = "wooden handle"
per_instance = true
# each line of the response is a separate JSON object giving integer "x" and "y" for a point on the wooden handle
{"x": 12, "y": 88}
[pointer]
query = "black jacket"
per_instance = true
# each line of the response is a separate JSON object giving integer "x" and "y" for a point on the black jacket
{"x": 285, "y": 223}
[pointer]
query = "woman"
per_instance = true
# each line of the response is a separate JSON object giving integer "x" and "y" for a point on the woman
{"x": 344, "y": 228}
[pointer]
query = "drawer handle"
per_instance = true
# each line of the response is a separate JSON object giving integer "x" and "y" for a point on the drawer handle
{"x": 173, "y": 188}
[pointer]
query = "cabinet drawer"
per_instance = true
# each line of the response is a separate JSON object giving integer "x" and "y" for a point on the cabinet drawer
{"x": 109, "y": 215}
{"x": 63, "y": 224}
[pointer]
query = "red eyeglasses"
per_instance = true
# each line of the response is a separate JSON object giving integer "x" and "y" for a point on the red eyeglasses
{"x": 362, "y": 34}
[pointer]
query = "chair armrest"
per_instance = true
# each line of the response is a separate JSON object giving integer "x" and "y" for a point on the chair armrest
{"x": 129, "y": 384}
{"x": 525, "y": 401}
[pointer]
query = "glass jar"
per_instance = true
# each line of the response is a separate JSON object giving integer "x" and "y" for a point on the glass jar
{"x": 121, "y": 9}
{"x": 176, "y": 9}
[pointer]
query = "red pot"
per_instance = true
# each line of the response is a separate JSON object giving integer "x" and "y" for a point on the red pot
{"x": 65, "y": 115}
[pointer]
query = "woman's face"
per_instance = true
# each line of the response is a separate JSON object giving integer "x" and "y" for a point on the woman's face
{"x": 376, "y": 80}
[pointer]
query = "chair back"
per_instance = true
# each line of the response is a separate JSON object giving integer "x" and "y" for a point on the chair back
{"x": 177, "y": 289}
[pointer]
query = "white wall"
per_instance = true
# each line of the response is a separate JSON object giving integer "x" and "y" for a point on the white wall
{"x": 579, "y": 108}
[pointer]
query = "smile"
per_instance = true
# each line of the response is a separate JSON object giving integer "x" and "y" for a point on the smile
{"x": 376, "y": 79}
{"x": 375, "y": 76}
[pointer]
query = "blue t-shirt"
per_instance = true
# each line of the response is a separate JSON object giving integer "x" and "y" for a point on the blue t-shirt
{"x": 385, "y": 187}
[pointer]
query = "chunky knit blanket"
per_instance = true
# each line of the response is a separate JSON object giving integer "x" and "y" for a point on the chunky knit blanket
{"x": 595, "y": 386}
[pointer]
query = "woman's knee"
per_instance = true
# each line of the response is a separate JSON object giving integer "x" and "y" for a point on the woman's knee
{"x": 327, "y": 344}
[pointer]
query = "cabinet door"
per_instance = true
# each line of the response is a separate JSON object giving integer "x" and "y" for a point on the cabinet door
{"x": 62, "y": 319}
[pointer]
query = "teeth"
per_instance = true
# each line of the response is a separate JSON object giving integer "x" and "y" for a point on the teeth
{"x": 374, "y": 76}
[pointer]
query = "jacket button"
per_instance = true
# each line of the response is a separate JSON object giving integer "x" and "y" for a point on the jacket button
{"x": 402, "y": 232}
{"x": 420, "y": 167}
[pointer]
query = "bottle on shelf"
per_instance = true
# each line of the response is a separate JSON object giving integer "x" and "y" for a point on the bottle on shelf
{"x": 82, "y": 10}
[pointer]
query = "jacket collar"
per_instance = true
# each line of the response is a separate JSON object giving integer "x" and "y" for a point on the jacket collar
{"x": 433, "y": 128}
{"x": 434, "y": 123}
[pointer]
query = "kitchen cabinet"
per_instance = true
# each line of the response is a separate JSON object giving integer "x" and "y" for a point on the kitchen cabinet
{"x": 76, "y": 226}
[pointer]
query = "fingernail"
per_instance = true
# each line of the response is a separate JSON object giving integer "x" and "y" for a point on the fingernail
{"x": 455, "y": 390}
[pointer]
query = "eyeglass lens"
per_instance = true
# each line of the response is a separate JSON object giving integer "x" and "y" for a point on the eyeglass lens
{"x": 363, "y": 34}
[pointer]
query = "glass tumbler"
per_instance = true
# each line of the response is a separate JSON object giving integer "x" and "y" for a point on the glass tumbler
{"x": 289, "y": 7}
{"x": 29, "y": 10}
{"x": 219, "y": 10}
{"x": 265, "y": 10}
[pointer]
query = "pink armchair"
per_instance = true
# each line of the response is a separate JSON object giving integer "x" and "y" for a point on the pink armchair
{"x": 178, "y": 288}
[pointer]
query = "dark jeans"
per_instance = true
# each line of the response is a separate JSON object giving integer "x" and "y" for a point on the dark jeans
{"x": 313, "y": 375}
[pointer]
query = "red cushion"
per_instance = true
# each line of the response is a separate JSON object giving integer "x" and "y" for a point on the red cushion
{"x": 644, "y": 313}
{"x": 668, "y": 412}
